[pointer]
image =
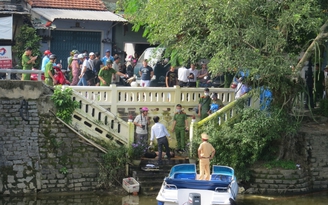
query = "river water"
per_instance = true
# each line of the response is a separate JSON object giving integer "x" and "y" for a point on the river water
{"x": 318, "y": 198}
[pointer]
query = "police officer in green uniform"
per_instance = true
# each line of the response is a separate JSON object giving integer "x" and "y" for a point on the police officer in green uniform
{"x": 49, "y": 71}
{"x": 27, "y": 62}
{"x": 204, "y": 104}
{"x": 180, "y": 124}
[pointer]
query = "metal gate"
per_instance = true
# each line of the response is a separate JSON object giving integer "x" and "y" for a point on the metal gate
{"x": 63, "y": 42}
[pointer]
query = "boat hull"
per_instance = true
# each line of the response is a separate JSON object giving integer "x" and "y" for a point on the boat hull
{"x": 181, "y": 187}
{"x": 208, "y": 197}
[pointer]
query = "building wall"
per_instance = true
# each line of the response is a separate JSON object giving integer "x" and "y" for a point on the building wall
{"x": 70, "y": 25}
{"x": 40, "y": 154}
{"x": 123, "y": 34}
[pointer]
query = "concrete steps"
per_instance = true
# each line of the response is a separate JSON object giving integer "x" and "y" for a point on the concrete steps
{"x": 151, "y": 181}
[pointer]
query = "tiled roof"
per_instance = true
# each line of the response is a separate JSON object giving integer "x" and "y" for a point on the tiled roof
{"x": 69, "y": 4}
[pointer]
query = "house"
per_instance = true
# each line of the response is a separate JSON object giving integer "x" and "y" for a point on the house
{"x": 73, "y": 25}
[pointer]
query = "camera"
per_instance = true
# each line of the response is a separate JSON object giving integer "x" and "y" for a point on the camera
{"x": 143, "y": 127}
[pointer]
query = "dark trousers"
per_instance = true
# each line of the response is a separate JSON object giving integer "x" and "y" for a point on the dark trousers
{"x": 182, "y": 84}
{"x": 142, "y": 139}
{"x": 160, "y": 142}
{"x": 192, "y": 84}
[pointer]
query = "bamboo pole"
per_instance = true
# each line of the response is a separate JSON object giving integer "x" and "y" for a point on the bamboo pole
{"x": 321, "y": 36}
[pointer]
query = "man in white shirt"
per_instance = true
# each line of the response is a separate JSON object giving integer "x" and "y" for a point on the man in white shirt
{"x": 116, "y": 78}
{"x": 193, "y": 74}
{"x": 183, "y": 74}
{"x": 241, "y": 88}
{"x": 87, "y": 65}
{"x": 159, "y": 131}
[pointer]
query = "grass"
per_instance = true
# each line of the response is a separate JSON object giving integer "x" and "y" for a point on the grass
{"x": 280, "y": 164}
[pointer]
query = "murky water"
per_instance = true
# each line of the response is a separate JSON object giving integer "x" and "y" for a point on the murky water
{"x": 318, "y": 198}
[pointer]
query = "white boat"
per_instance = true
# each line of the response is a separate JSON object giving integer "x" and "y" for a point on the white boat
{"x": 181, "y": 187}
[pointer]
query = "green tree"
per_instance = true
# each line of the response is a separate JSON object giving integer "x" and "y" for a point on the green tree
{"x": 264, "y": 37}
{"x": 28, "y": 38}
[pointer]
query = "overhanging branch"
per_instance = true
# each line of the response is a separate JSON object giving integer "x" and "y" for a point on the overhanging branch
{"x": 321, "y": 36}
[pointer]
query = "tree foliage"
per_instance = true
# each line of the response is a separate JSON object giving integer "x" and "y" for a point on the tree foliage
{"x": 263, "y": 36}
{"x": 250, "y": 136}
{"x": 28, "y": 38}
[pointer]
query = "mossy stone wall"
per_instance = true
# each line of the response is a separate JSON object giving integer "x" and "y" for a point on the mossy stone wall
{"x": 40, "y": 154}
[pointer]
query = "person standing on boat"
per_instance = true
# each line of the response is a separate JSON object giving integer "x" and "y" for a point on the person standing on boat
{"x": 206, "y": 152}
{"x": 159, "y": 131}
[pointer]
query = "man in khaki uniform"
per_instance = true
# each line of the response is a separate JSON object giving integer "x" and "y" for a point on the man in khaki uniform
{"x": 206, "y": 152}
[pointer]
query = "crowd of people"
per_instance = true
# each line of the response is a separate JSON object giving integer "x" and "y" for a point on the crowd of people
{"x": 92, "y": 69}
{"x": 188, "y": 77}
{"x": 83, "y": 68}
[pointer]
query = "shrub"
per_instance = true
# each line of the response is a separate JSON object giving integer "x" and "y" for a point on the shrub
{"x": 252, "y": 136}
{"x": 64, "y": 104}
{"x": 112, "y": 169}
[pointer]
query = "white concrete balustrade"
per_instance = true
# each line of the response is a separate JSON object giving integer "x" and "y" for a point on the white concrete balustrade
{"x": 155, "y": 98}
{"x": 100, "y": 124}
{"x": 99, "y": 116}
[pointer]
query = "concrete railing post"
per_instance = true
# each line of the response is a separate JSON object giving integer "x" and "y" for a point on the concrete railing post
{"x": 191, "y": 135}
{"x": 114, "y": 99}
{"x": 8, "y": 75}
{"x": 131, "y": 131}
{"x": 177, "y": 96}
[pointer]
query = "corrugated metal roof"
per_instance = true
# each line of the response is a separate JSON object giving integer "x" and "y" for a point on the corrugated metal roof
{"x": 66, "y": 4}
{"x": 52, "y": 14}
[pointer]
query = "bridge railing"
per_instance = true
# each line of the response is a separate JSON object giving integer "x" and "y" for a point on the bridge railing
{"x": 155, "y": 98}
{"x": 8, "y": 72}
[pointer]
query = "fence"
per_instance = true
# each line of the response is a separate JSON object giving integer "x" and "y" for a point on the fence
{"x": 9, "y": 72}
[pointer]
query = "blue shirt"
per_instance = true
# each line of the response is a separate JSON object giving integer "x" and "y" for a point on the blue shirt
{"x": 145, "y": 72}
{"x": 104, "y": 59}
{"x": 45, "y": 60}
{"x": 158, "y": 130}
{"x": 214, "y": 107}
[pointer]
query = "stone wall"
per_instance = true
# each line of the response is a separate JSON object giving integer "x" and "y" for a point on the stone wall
{"x": 316, "y": 136}
{"x": 37, "y": 152}
{"x": 313, "y": 172}
{"x": 19, "y": 150}
{"x": 67, "y": 163}
{"x": 279, "y": 182}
